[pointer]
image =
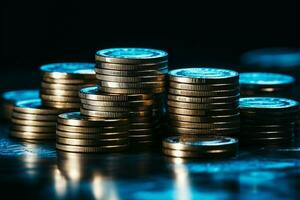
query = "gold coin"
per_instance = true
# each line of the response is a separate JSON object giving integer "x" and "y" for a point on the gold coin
{"x": 109, "y": 135}
{"x": 203, "y": 112}
{"x": 53, "y": 86}
{"x": 132, "y": 91}
{"x": 177, "y": 104}
{"x": 34, "y": 117}
{"x": 61, "y": 105}
{"x": 132, "y": 79}
{"x": 35, "y": 129}
{"x": 105, "y": 108}
{"x": 100, "y": 114}
{"x": 32, "y": 122}
{"x": 102, "y": 149}
{"x": 76, "y": 119}
{"x": 85, "y": 142}
{"x": 139, "y": 85}
{"x": 56, "y": 98}
{"x": 69, "y": 81}
{"x": 204, "y": 99}
{"x": 220, "y": 118}
{"x": 202, "y": 87}
{"x": 57, "y": 92}
{"x": 104, "y": 103}
{"x": 31, "y": 135}
{"x": 78, "y": 129}
{"x": 34, "y": 106}
{"x": 193, "y": 93}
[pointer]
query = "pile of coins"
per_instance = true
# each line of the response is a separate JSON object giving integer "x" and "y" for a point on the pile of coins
{"x": 266, "y": 84}
{"x": 78, "y": 133}
{"x": 267, "y": 120}
{"x": 203, "y": 101}
{"x": 206, "y": 147}
{"x": 10, "y": 98}
{"x": 62, "y": 81}
{"x": 32, "y": 121}
{"x": 134, "y": 72}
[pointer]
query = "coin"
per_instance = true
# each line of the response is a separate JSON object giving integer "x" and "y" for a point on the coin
{"x": 184, "y": 118}
{"x": 100, "y": 149}
{"x": 75, "y": 135}
{"x": 100, "y": 114}
{"x": 35, "y": 129}
{"x": 63, "y": 93}
{"x": 57, "y": 86}
{"x": 78, "y": 129}
{"x": 105, "y": 108}
{"x": 31, "y": 135}
{"x": 131, "y": 55}
{"x": 34, "y": 106}
{"x": 203, "y": 112}
{"x": 140, "y": 85}
{"x": 68, "y": 70}
{"x": 132, "y": 91}
{"x": 85, "y": 142}
{"x": 131, "y": 67}
{"x": 216, "y": 131}
{"x": 61, "y": 105}
{"x": 69, "y": 81}
{"x": 195, "y": 154}
{"x": 57, "y": 98}
{"x": 32, "y": 122}
{"x": 214, "y": 125}
{"x": 202, "y": 87}
{"x": 260, "y": 79}
{"x": 38, "y": 117}
{"x": 177, "y": 104}
{"x": 158, "y": 71}
{"x": 131, "y": 79}
{"x": 222, "y": 99}
{"x": 192, "y": 93}
{"x": 76, "y": 119}
{"x": 203, "y": 76}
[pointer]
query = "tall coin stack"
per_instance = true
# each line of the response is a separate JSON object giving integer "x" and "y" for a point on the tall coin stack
{"x": 62, "y": 81}
{"x": 203, "y": 101}
{"x": 80, "y": 134}
{"x": 33, "y": 121}
{"x": 10, "y": 98}
{"x": 266, "y": 84}
{"x": 135, "y": 72}
{"x": 267, "y": 120}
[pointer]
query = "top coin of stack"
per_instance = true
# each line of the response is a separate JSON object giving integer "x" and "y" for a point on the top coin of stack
{"x": 62, "y": 81}
{"x": 266, "y": 84}
{"x": 10, "y": 98}
{"x": 203, "y": 101}
{"x": 131, "y": 71}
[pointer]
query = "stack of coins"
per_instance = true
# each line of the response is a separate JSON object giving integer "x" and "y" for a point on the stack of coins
{"x": 32, "y": 121}
{"x": 135, "y": 71}
{"x": 204, "y": 147}
{"x": 266, "y": 84}
{"x": 62, "y": 81}
{"x": 10, "y": 98}
{"x": 77, "y": 133}
{"x": 135, "y": 107}
{"x": 203, "y": 101}
{"x": 267, "y": 120}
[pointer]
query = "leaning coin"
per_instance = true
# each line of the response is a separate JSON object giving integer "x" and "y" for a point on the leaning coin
{"x": 102, "y": 149}
{"x": 34, "y": 106}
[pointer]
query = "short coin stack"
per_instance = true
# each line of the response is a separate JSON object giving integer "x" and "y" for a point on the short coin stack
{"x": 266, "y": 84}
{"x": 32, "y": 121}
{"x": 62, "y": 81}
{"x": 136, "y": 71}
{"x": 206, "y": 147}
{"x": 203, "y": 101}
{"x": 267, "y": 120}
{"x": 78, "y": 133}
{"x": 10, "y": 98}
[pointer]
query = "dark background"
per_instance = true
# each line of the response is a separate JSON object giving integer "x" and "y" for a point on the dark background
{"x": 194, "y": 33}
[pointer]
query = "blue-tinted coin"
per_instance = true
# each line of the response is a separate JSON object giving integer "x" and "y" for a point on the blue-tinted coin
{"x": 203, "y": 75}
{"x": 265, "y": 79}
{"x": 268, "y": 103}
{"x": 66, "y": 70}
{"x": 20, "y": 95}
{"x": 131, "y": 55}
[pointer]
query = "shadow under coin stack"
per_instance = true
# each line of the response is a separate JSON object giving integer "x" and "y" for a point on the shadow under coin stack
{"x": 267, "y": 121}
{"x": 136, "y": 72}
{"x": 62, "y": 81}
{"x": 80, "y": 134}
{"x": 266, "y": 84}
{"x": 203, "y": 101}
{"x": 10, "y": 98}
{"x": 32, "y": 121}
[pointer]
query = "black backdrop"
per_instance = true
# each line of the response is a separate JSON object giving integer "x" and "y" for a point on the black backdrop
{"x": 202, "y": 33}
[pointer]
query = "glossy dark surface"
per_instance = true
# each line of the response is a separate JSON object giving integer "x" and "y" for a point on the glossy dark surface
{"x": 31, "y": 171}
